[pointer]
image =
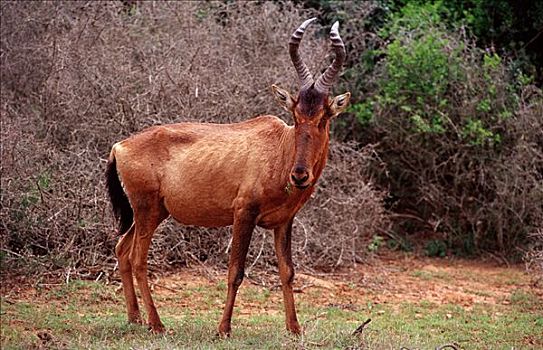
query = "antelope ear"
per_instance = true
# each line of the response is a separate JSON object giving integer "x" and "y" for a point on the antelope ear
{"x": 283, "y": 97}
{"x": 339, "y": 104}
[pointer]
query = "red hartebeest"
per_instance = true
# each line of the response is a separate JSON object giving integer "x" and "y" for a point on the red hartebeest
{"x": 257, "y": 172}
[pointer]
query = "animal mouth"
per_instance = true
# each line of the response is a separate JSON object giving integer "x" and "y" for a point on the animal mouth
{"x": 302, "y": 187}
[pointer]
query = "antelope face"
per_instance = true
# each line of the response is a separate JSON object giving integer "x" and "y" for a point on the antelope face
{"x": 312, "y": 110}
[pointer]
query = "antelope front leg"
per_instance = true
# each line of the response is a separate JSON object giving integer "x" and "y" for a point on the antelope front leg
{"x": 244, "y": 224}
{"x": 282, "y": 238}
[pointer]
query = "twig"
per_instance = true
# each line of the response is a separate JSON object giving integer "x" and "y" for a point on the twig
{"x": 193, "y": 257}
{"x": 451, "y": 345}
{"x": 361, "y": 327}
{"x": 259, "y": 253}
{"x": 301, "y": 289}
{"x": 228, "y": 246}
{"x": 305, "y": 233}
{"x": 99, "y": 276}
{"x": 24, "y": 257}
{"x": 533, "y": 39}
{"x": 165, "y": 287}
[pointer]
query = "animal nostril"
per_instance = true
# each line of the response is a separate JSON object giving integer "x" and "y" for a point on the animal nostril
{"x": 300, "y": 170}
{"x": 299, "y": 178}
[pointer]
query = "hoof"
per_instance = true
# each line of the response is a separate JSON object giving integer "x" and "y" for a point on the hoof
{"x": 135, "y": 319}
{"x": 294, "y": 329}
{"x": 157, "y": 328}
{"x": 224, "y": 331}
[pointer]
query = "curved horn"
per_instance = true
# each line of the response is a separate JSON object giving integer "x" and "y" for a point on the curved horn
{"x": 325, "y": 81}
{"x": 302, "y": 70}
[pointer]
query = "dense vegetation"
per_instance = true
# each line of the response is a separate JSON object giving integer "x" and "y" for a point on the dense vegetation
{"x": 444, "y": 137}
{"x": 449, "y": 94}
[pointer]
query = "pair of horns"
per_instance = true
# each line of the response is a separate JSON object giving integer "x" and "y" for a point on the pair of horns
{"x": 326, "y": 80}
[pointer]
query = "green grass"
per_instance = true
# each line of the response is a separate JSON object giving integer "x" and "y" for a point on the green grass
{"x": 87, "y": 315}
{"x": 430, "y": 275}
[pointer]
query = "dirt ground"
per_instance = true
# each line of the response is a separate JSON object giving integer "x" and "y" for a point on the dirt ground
{"x": 388, "y": 280}
{"x": 392, "y": 281}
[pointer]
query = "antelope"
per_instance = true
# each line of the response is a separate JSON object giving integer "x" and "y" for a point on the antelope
{"x": 257, "y": 172}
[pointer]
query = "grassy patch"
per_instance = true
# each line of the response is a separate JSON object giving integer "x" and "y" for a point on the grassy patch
{"x": 430, "y": 275}
{"x": 87, "y": 315}
{"x": 526, "y": 300}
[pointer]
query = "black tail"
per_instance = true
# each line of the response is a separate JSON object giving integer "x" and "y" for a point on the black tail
{"x": 121, "y": 206}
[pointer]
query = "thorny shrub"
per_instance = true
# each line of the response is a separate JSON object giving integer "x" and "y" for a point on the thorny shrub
{"x": 534, "y": 254}
{"x": 79, "y": 76}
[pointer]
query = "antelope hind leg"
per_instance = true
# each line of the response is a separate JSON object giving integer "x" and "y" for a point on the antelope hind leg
{"x": 146, "y": 224}
{"x": 122, "y": 250}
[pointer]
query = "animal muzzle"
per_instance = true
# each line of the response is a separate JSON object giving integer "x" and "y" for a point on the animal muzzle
{"x": 301, "y": 177}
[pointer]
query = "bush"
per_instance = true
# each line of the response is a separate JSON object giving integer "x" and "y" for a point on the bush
{"x": 77, "y": 77}
{"x": 453, "y": 121}
{"x": 534, "y": 254}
